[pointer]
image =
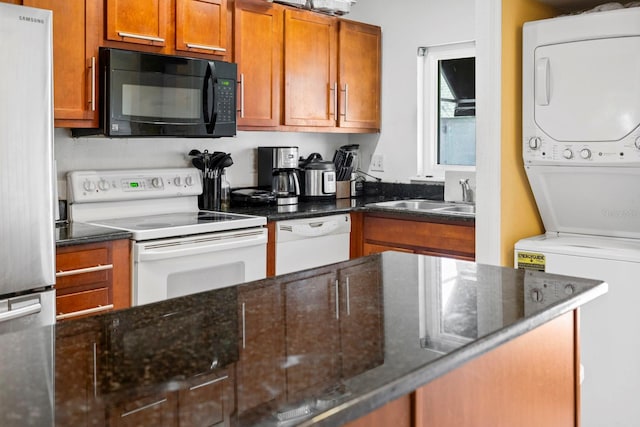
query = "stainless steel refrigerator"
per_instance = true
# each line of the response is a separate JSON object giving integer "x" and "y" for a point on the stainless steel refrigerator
{"x": 27, "y": 224}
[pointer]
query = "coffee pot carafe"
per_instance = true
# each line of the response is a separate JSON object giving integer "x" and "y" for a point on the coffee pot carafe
{"x": 278, "y": 171}
{"x": 286, "y": 186}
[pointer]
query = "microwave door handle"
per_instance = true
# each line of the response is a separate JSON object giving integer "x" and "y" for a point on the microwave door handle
{"x": 206, "y": 110}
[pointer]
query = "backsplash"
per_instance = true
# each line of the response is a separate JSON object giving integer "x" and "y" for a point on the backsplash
{"x": 128, "y": 153}
{"x": 394, "y": 190}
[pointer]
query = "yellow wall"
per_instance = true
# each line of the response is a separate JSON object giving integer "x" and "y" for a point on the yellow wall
{"x": 518, "y": 208}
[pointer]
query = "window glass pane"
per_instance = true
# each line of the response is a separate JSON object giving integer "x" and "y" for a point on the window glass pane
{"x": 456, "y": 112}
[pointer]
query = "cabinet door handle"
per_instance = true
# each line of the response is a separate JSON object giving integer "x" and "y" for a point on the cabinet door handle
{"x": 346, "y": 100}
{"x": 93, "y": 310}
{"x": 92, "y": 101}
{"x": 244, "y": 327}
{"x": 335, "y": 100}
{"x": 242, "y": 95}
{"x": 63, "y": 273}
{"x": 216, "y": 380}
{"x": 141, "y": 37}
{"x": 142, "y": 408}
{"x": 348, "y": 302}
{"x": 95, "y": 370}
{"x": 205, "y": 47}
{"x": 337, "y": 299}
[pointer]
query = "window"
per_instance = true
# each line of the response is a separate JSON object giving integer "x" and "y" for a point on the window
{"x": 446, "y": 109}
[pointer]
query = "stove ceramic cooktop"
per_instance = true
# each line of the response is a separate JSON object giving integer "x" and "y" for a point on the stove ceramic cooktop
{"x": 180, "y": 224}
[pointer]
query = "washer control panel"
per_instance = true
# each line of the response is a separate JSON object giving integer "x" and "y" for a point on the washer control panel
{"x": 541, "y": 149}
{"x": 114, "y": 185}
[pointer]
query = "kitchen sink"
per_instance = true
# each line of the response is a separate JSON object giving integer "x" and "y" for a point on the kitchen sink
{"x": 430, "y": 206}
{"x": 412, "y": 205}
{"x": 459, "y": 209}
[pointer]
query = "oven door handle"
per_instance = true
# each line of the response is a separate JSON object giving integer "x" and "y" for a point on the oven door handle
{"x": 155, "y": 252}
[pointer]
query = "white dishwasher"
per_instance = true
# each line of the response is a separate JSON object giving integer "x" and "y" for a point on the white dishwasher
{"x": 312, "y": 242}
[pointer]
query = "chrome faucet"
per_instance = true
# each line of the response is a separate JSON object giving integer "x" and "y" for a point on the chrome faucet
{"x": 467, "y": 194}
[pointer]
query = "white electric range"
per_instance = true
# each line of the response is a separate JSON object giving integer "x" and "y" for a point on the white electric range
{"x": 177, "y": 249}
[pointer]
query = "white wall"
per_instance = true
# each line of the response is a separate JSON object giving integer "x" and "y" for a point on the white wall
{"x": 406, "y": 25}
{"x": 113, "y": 153}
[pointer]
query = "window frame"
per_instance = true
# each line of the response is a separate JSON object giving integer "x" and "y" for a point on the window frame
{"x": 428, "y": 106}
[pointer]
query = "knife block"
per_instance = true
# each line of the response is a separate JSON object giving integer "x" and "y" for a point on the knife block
{"x": 343, "y": 189}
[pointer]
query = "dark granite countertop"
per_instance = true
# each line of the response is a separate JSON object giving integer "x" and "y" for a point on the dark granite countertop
{"x": 74, "y": 233}
{"x": 305, "y": 209}
{"x": 304, "y": 341}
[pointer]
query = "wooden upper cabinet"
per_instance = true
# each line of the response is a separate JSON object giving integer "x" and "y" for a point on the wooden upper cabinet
{"x": 258, "y": 53}
{"x": 201, "y": 26}
{"x": 310, "y": 69}
{"x": 359, "y": 75}
{"x": 76, "y": 36}
{"x": 143, "y": 22}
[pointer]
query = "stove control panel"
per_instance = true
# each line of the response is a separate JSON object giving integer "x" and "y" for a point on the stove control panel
{"x": 114, "y": 185}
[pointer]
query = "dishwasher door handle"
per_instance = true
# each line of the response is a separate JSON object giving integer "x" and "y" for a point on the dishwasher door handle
{"x": 314, "y": 229}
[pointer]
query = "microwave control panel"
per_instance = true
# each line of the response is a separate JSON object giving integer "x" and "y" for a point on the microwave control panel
{"x": 225, "y": 98}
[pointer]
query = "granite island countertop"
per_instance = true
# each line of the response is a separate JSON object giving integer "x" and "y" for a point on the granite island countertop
{"x": 328, "y": 344}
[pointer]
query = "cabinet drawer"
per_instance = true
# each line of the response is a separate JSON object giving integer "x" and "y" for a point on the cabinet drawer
{"x": 420, "y": 236}
{"x": 82, "y": 268}
{"x": 82, "y": 303}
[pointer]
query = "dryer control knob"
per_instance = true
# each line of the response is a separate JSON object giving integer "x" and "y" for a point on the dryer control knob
{"x": 534, "y": 143}
{"x": 585, "y": 153}
{"x": 177, "y": 181}
{"x": 156, "y": 183}
{"x": 567, "y": 153}
{"x": 638, "y": 143}
{"x": 188, "y": 180}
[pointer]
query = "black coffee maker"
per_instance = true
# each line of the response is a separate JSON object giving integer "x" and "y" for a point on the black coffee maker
{"x": 278, "y": 171}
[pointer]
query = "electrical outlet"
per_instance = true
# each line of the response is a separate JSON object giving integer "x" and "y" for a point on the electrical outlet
{"x": 377, "y": 163}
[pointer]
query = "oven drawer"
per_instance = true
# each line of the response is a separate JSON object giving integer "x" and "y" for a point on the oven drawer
{"x": 83, "y": 303}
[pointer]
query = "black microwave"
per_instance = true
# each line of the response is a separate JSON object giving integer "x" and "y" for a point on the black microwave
{"x": 145, "y": 95}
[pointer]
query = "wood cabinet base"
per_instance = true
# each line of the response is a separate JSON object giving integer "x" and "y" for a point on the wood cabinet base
{"x": 531, "y": 381}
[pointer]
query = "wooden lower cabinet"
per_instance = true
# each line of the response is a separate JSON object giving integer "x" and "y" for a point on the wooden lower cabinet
{"x": 204, "y": 400}
{"x": 92, "y": 278}
{"x": 531, "y": 381}
{"x": 361, "y": 318}
{"x": 260, "y": 371}
{"x": 208, "y": 400}
{"x": 157, "y": 409}
{"x": 300, "y": 338}
{"x": 454, "y": 239}
{"x": 312, "y": 341}
{"x": 76, "y": 379}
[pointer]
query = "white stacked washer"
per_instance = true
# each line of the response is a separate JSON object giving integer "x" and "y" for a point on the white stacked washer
{"x": 581, "y": 150}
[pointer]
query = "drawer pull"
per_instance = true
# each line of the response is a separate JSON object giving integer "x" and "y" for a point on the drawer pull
{"x": 142, "y": 408}
{"x": 141, "y": 37}
{"x": 195, "y": 387}
{"x": 63, "y": 273}
{"x": 205, "y": 47}
{"x": 83, "y": 312}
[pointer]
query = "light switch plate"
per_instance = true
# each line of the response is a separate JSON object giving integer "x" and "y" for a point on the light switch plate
{"x": 452, "y": 187}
